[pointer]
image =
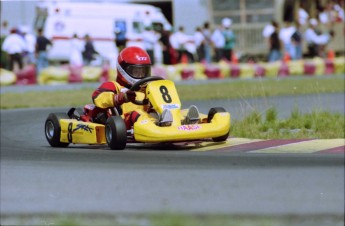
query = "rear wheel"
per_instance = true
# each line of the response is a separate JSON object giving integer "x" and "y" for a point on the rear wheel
{"x": 52, "y": 129}
{"x": 211, "y": 114}
{"x": 116, "y": 133}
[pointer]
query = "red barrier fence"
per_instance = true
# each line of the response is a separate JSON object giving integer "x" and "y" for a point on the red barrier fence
{"x": 68, "y": 74}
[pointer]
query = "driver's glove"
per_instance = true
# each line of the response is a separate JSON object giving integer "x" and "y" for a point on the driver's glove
{"x": 128, "y": 96}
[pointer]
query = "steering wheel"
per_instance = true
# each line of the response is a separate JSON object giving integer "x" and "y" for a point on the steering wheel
{"x": 136, "y": 87}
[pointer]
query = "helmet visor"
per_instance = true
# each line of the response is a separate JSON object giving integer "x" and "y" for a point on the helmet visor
{"x": 139, "y": 71}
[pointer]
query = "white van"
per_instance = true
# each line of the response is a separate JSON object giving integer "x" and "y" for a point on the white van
{"x": 60, "y": 20}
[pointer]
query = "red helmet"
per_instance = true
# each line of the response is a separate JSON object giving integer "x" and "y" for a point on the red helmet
{"x": 133, "y": 64}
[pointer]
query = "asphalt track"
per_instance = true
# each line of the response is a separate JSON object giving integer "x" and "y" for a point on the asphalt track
{"x": 295, "y": 177}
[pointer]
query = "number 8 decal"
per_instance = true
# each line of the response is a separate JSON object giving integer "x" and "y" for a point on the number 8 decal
{"x": 69, "y": 135}
{"x": 165, "y": 94}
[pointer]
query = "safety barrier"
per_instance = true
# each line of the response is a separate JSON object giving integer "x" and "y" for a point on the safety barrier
{"x": 66, "y": 74}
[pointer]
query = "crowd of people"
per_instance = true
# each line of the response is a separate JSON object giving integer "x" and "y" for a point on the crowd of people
{"x": 287, "y": 40}
{"x": 205, "y": 45}
{"x": 22, "y": 48}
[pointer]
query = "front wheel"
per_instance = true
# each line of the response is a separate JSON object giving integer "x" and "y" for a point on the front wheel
{"x": 116, "y": 133}
{"x": 211, "y": 114}
{"x": 52, "y": 129}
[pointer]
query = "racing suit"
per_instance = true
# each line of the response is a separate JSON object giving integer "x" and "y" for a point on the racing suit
{"x": 112, "y": 94}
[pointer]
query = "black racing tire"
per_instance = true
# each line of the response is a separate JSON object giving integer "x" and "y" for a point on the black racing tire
{"x": 116, "y": 133}
{"x": 210, "y": 116}
{"x": 52, "y": 129}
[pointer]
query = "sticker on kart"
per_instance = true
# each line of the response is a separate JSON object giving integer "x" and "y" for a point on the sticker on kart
{"x": 189, "y": 127}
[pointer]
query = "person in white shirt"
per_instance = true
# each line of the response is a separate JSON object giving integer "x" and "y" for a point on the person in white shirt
{"x": 218, "y": 43}
{"x": 30, "y": 41}
{"x": 76, "y": 49}
{"x": 268, "y": 30}
{"x": 150, "y": 39}
{"x": 14, "y": 45}
{"x": 339, "y": 10}
{"x": 285, "y": 34}
{"x": 184, "y": 45}
{"x": 315, "y": 40}
{"x": 328, "y": 14}
{"x": 325, "y": 15}
{"x": 303, "y": 15}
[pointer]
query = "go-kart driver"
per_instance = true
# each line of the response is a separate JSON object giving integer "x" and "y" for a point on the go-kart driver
{"x": 133, "y": 64}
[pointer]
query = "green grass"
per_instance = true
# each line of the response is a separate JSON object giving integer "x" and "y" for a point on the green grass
{"x": 262, "y": 88}
{"x": 317, "y": 124}
{"x": 229, "y": 89}
{"x": 262, "y": 125}
{"x": 172, "y": 219}
{"x": 36, "y": 99}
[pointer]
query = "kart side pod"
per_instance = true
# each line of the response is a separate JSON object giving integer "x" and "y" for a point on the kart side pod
{"x": 73, "y": 131}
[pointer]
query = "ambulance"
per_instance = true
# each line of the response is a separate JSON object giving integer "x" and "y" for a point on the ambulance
{"x": 102, "y": 21}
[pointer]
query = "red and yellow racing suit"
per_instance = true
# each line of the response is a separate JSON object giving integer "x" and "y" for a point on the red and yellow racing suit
{"x": 104, "y": 97}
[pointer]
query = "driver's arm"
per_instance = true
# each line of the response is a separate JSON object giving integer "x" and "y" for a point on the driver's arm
{"x": 103, "y": 96}
{"x": 107, "y": 96}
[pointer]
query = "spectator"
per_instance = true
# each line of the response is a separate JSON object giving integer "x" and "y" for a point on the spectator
{"x": 288, "y": 11}
{"x": 325, "y": 14}
{"x": 314, "y": 40}
{"x": 339, "y": 11}
{"x": 218, "y": 41}
{"x": 275, "y": 44}
{"x": 285, "y": 36}
{"x": 174, "y": 46}
{"x": 150, "y": 39}
{"x": 182, "y": 41}
{"x": 30, "y": 41}
{"x": 166, "y": 47}
{"x": 42, "y": 44}
{"x": 89, "y": 50}
{"x": 190, "y": 49}
{"x": 296, "y": 40}
{"x": 120, "y": 35}
{"x": 303, "y": 15}
{"x": 268, "y": 29}
{"x": 4, "y": 29}
{"x": 14, "y": 45}
{"x": 76, "y": 49}
{"x": 266, "y": 34}
{"x": 4, "y": 58}
{"x": 330, "y": 13}
{"x": 207, "y": 42}
{"x": 199, "y": 44}
{"x": 230, "y": 38}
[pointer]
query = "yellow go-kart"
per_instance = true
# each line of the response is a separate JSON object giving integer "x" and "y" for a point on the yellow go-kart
{"x": 106, "y": 126}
